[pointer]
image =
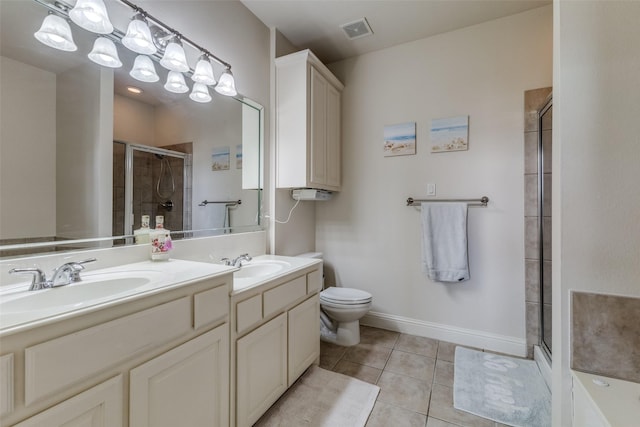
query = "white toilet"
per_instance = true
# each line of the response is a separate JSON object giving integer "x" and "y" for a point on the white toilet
{"x": 340, "y": 312}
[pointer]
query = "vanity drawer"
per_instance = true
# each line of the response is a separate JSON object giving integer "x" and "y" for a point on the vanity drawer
{"x": 248, "y": 312}
{"x": 283, "y": 295}
{"x": 61, "y": 362}
{"x": 314, "y": 281}
{"x": 209, "y": 306}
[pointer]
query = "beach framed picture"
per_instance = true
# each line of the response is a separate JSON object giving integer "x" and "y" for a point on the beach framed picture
{"x": 220, "y": 159}
{"x": 400, "y": 139}
{"x": 450, "y": 134}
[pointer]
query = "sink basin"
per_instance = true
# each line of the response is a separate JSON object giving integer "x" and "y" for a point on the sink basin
{"x": 91, "y": 290}
{"x": 257, "y": 269}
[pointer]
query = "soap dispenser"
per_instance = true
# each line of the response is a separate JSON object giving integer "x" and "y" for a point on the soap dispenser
{"x": 141, "y": 235}
{"x": 160, "y": 241}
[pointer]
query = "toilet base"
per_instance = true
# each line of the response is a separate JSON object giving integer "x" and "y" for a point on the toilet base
{"x": 348, "y": 334}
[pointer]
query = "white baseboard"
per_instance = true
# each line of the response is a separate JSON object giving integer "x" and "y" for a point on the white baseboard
{"x": 468, "y": 337}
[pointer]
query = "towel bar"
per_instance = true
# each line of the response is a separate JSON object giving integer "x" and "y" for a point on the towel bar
{"x": 483, "y": 201}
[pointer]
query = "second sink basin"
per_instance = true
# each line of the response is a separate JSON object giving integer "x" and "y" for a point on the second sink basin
{"x": 259, "y": 268}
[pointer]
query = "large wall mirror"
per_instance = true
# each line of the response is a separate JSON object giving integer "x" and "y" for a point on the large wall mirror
{"x": 83, "y": 158}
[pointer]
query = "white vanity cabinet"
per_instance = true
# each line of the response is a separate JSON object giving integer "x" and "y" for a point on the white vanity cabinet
{"x": 160, "y": 359}
{"x": 308, "y": 123}
{"x": 275, "y": 330}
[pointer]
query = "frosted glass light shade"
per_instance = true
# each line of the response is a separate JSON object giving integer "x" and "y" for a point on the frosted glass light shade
{"x": 104, "y": 52}
{"x": 200, "y": 93}
{"x": 174, "y": 58}
{"x": 92, "y": 16}
{"x": 226, "y": 84}
{"x": 138, "y": 38}
{"x": 203, "y": 72}
{"x": 55, "y": 32}
{"x": 175, "y": 83}
{"x": 144, "y": 70}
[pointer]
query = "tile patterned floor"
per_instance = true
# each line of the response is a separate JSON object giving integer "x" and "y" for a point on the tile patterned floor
{"x": 415, "y": 376}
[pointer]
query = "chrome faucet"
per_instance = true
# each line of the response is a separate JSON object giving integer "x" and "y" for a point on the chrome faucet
{"x": 236, "y": 262}
{"x": 69, "y": 273}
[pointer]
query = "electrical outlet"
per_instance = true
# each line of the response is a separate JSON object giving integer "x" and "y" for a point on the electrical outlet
{"x": 431, "y": 189}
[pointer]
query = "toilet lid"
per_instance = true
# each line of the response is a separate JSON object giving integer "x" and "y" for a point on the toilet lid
{"x": 345, "y": 295}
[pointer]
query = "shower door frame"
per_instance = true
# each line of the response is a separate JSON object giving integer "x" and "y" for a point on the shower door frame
{"x": 541, "y": 112}
{"x": 128, "y": 177}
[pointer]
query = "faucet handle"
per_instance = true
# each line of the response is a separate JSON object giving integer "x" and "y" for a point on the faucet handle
{"x": 226, "y": 261}
{"x": 39, "y": 280}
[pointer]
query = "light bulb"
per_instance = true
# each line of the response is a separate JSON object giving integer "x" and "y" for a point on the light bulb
{"x": 138, "y": 37}
{"x": 104, "y": 52}
{"x": 203, "y": 72}
{"x": 200, "y": 93}
{"x": 174, "y": 58}
{"x": 175, "y": 83}
{"x": 226, "y": 84}
{"x": 144, "y": 70}
{"x": 92, "y": 16}
{"x": 55, "y": 32}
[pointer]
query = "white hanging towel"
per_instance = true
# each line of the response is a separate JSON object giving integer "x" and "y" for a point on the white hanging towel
{"x": 444, "y": 241}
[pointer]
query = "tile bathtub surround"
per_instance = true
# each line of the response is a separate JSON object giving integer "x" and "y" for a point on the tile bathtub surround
{"x": 415, "y": 376}
{"x": 605, "y": 335}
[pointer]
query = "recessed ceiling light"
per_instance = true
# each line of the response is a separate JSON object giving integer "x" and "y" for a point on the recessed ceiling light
{"x": 134, "y": 89}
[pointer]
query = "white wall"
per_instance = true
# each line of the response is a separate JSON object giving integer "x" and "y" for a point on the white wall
{"x": 84, "y": 152}
{"x": 596, "y": 133}
{"x": 372, "y": 239}
{"x": 133, "y": 121}
{"x": 27, "y": 150}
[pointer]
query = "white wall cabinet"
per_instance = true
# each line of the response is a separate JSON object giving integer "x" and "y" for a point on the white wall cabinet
{"x": 308, "y": 125}
{"x": 275, "y": 337}
{"x": 172, "y": 345}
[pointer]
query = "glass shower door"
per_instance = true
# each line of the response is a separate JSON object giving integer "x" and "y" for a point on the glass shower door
{"x": 544, "y": 218}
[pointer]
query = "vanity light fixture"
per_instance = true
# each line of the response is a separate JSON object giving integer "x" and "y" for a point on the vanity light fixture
{"x": 92, "y": 16}
{"x": 144, "y": 70}
{"x": 138, "y": 38}
{"x": 145, "y": 35}
{"x": 56, "y": 33}
{"x": 203, "y": 72}
{"x": 175, "y": 83}
{"x": 200, "y": 93}
{"x": 226, "y": 84}
{"x": 105, "y": 53}
{"x": 174, "y": 58}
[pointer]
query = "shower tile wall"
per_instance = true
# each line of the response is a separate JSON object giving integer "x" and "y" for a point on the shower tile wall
{"x": 118, "y": 188}
{"x": 533, "y": 100}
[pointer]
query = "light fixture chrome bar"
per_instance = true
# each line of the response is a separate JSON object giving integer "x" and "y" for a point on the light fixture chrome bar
{"x": 193, "y": 44}
{"x": 473, "y": 202}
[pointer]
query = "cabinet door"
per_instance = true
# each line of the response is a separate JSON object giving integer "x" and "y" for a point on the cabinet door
{"x": 333, "y": 138}
{"x": 304, "y": 337}
{"x": 100, "y": 406}
{"x": 187, "y": 386}
{"x": 261, "y": 371}
{"x": 318, "y": 149}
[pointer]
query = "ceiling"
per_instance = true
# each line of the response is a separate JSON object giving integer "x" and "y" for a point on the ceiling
{"x": 315, "y": 24}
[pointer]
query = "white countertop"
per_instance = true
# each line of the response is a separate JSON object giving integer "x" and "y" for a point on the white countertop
{"x": 618, "y": 403}
{"x": 162, "y": 276}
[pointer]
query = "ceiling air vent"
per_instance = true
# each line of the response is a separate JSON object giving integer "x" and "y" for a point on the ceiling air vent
{"x": 356, "y": 29}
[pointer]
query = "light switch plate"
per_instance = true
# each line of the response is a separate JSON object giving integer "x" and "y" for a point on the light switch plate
{"x": 431, "y": 189}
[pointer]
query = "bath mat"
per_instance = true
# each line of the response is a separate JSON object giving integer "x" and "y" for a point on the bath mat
{"x": 504, "y": 389}
{"x": 323, "y": 398}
